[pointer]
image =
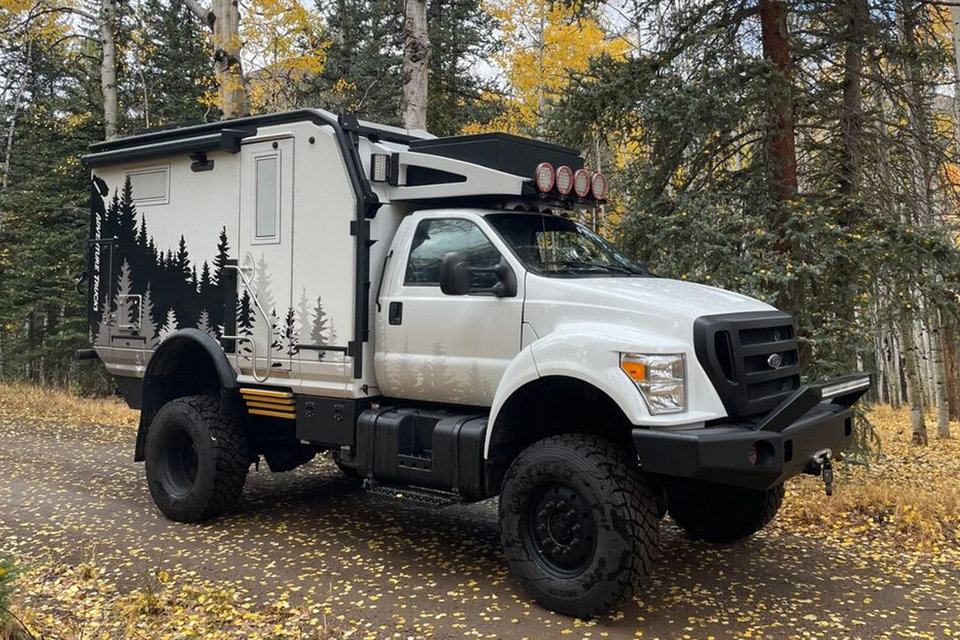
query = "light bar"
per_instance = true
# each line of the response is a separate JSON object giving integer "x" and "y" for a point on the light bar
{"x": 844, "y": 387}
{"x": 545, "y": 177}
{"x": 581, "y": 183}
{"x": 564, "y": 180}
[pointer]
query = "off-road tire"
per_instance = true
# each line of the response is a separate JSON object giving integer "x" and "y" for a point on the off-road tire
{"x": 606, "y": 484}
{"x": 721, "y": 513}
{"x": 196, "y": 461}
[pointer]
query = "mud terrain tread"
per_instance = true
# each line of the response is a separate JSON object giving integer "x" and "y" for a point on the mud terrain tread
{"x": 616, "y": 474}
{"x": 231, "y": 461}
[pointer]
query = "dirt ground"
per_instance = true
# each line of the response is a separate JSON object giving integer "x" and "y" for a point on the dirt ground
{"x": 370, "y": 566}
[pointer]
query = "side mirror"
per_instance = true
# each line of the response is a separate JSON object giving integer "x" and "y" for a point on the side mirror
{"x": 456, "y": 272}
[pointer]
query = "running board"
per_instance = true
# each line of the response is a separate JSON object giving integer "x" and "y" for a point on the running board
{"x": 413, "y": 494}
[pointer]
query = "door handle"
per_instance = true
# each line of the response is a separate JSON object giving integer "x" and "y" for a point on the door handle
{"x": 395, "y": 313}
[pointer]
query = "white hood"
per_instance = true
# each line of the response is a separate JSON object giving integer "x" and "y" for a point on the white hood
{"x": 655, "y": 305}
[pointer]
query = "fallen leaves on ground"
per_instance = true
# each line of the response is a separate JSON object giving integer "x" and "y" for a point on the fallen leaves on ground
{"x": 907, "y": 498}
{"x": 39, "y": 403}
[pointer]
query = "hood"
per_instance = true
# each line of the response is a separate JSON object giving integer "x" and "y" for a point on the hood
{"x": 655, "y": 304}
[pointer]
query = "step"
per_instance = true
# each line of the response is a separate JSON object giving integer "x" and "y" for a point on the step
{"x": 413, "y": 494}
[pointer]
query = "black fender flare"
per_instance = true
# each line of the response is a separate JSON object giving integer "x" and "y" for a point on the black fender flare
{"x": 187, "y": 362}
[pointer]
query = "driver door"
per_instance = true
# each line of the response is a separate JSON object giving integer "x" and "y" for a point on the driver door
{"x": 439, "y": 347}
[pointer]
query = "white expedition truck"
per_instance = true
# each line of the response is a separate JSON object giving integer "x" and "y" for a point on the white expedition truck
{"x": 282, "y": 285}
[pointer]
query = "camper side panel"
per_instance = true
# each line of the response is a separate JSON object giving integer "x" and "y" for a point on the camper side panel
{"x": 164, "y": 233}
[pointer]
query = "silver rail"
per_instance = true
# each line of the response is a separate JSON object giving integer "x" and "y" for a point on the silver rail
{"x": 253, "y": 342}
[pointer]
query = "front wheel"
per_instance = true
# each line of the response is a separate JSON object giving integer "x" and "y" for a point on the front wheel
{"x": 578, "y": 524}
{"x": 196, "y": 461}
{"x": 721, "y": 513}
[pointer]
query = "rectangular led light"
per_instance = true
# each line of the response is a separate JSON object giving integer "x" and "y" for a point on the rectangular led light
{"x": 379, "y": 167}
{"x": 842, "y": 388}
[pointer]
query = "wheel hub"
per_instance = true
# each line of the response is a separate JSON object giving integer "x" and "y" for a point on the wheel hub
{"x": 560, "y": 529}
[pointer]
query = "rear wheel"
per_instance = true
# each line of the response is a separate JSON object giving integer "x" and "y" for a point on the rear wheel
{"x": 196, "y": 461}
{"x": 578, "y": 524}
{"x": 721, "y": 513}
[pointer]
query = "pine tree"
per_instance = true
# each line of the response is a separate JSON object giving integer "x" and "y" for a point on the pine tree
{"x": 183, "y": 260}
{"x": 205, "y": 279}
{"x": 304, "y": 324}
{"x": 171, "y": 325}
{"x": 148, "y": 325}
{"x": 170, "y": 57}
{"x": 245, "y": 323}
{"x": 291, "y": 338}
{"x": 435, "y": 382}
{"x": 125, "y": 309}
{"x": 223, "y": 255}
{"x": 404, "y": 380}
{"x": 203, "y": 323}
{"x": 126, "y": 230}
{"x": 319, "y": 328}
{"x": 477, "y": 385}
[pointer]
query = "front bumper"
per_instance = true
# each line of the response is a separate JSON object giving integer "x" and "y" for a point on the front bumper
{"x": 815, "y": 419}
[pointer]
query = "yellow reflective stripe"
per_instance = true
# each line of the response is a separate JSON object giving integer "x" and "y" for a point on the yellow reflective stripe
{"x": 272, "y": 414}
{"x": 265, "y": 393}
{"x": 271, "y": 405}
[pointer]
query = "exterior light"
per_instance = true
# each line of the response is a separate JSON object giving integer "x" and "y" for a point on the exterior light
{"x": 581, "y": 183}
{"x": 545, "y": 177}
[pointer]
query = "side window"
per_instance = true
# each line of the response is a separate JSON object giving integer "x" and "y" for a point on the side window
{"x": 434, "y": 239}
{"x": 267, "y": 203}
{"x": 150, "y": 185}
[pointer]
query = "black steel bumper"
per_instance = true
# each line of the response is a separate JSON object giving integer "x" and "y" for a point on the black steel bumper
{"x": 815, "y": 419}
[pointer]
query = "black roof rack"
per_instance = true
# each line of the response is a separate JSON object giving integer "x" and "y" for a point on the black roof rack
{"x": 224, "y": 135}
{"x": 501, "y": 151}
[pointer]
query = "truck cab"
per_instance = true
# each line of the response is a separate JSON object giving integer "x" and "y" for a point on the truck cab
{"x": 428, "y": 313}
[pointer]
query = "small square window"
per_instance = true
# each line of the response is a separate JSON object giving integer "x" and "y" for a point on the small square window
{"x": 150, "y": 186}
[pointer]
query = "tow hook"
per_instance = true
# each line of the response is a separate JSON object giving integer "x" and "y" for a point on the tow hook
{"x": 822, "y": 460}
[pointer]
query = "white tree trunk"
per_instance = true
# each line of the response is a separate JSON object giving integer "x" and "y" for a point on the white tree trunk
{"x": 939, "y": 376}
{"x": 955, "y": 24}
{"x": 416, "y": 60}
{"x": 224, "y": 20}
{"x": 914, "y": 396}
{"x": 108, "y": 67}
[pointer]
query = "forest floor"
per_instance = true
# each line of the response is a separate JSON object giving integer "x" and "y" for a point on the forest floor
{"x": 308, "y": 555}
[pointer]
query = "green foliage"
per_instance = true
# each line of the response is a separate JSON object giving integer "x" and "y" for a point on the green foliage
{"x": 8, "y": 576}
{"x": 170, "y": 74}
{"x": 363, "y": 70}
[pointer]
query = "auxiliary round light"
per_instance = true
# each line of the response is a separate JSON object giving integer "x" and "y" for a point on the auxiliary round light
{"x": 564, "y": 180}
{"x": 599, "y": 186}
{"x": 545, "y": 177}
{"x": 581, "y": 182}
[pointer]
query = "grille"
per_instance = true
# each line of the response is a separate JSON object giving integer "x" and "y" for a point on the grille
{"x": 739, "y": 350}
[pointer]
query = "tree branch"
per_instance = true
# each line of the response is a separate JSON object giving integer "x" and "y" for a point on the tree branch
{"x": 197, "y": 9}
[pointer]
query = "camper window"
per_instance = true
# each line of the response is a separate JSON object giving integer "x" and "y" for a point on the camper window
{"x": 150, "y": 185}
{"x": 267, "y": 214}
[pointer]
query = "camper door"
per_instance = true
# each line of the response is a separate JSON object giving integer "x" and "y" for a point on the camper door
{"x": 264, "y": 309}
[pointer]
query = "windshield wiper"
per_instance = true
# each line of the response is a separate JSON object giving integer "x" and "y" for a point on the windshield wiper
{"x": 580, "y": 264}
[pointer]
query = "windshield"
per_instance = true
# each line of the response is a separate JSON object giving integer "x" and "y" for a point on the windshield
{"x": 552, "y": 245}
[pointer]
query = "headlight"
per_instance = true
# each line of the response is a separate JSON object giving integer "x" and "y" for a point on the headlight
{"x": 661, "y": 379}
